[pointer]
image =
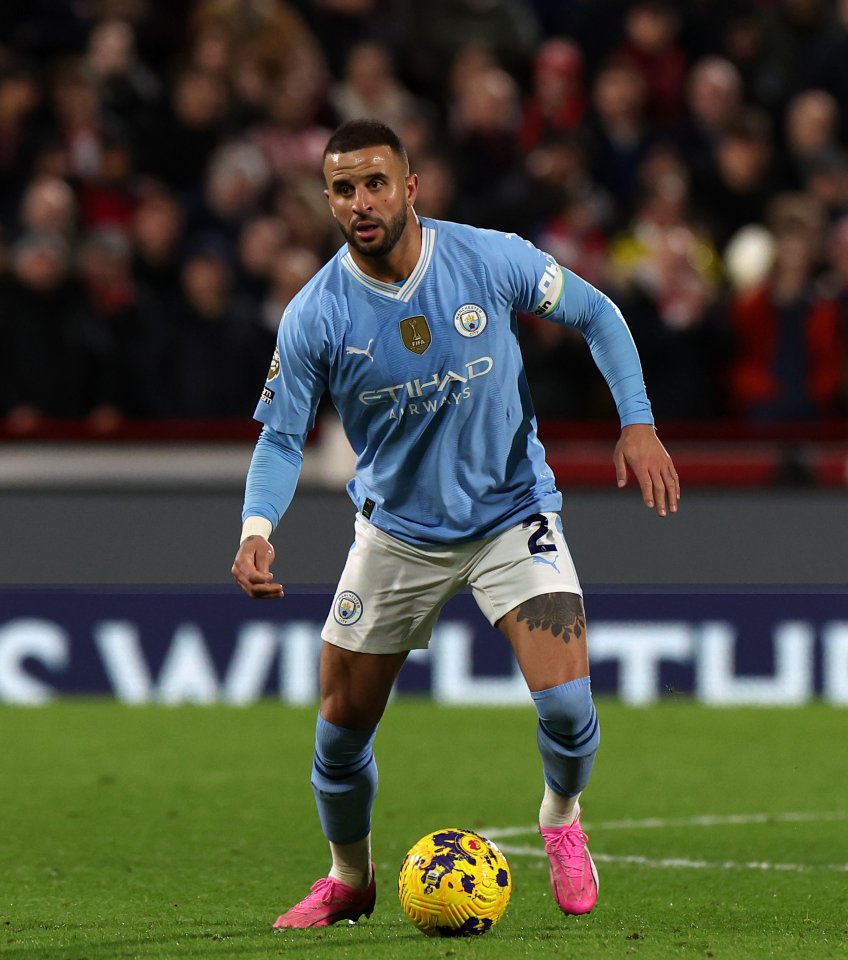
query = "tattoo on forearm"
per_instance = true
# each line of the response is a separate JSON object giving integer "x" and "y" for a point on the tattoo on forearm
{"x": 561, "y": 613}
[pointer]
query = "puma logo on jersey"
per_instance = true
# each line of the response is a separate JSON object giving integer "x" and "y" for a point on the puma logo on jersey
{"x": 361, "y": 351}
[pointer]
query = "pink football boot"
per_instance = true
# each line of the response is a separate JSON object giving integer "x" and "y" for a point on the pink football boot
{"x": 574, "y": 878}
{"x": 328, "y": 902}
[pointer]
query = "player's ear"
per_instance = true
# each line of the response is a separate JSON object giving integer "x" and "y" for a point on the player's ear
{"x": 327, "y": 195}
{"x": 411, "y": 188}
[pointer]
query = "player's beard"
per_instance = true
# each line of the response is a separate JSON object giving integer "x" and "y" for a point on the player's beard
{"x": 392, "y": 232}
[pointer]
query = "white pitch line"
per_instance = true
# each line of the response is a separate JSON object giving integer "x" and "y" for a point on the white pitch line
{"x": 667, "y": 863}
{"x": 708, "y": 820}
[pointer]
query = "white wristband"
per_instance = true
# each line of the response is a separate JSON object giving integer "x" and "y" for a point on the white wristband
{"x": 254, "y": 526}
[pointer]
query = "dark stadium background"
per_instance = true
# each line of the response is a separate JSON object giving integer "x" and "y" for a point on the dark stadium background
{"x": 160, "y": 201}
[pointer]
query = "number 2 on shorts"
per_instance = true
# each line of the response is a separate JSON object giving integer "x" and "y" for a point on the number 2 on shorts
{"x": 533, "y": 544}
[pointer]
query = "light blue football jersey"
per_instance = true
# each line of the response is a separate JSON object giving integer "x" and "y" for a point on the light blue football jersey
{"x": 429, "y": 383}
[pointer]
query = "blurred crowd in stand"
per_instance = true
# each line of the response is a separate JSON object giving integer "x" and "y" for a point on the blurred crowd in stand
{"x": 161, "y": 196}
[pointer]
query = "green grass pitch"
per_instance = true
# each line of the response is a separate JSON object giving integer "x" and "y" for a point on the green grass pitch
{"x": 182, "y": 832}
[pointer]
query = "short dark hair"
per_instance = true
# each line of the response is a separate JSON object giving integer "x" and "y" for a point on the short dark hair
{"x": 356, "y": 134}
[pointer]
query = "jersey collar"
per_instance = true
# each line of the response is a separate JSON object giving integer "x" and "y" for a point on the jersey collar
{"x": 406, "y": 290}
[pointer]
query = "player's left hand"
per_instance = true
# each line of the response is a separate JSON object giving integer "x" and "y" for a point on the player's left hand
{"x": 639, "y": 450}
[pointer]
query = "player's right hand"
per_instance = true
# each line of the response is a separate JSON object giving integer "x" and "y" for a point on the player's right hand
{"x": 252, "y": 569}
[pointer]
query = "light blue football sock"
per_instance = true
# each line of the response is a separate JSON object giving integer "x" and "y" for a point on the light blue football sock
{"x": 344, "y": 780}
{"x": 568, "y": 735}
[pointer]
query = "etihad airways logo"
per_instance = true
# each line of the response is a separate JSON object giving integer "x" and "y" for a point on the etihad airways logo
{"x": 437, "y": 391}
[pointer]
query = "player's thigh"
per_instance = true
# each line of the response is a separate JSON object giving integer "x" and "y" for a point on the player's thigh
{"x": 355, "y": 687}
{"x": 525, "y": 583}
{"x": 548, "y": 635}
{"x": 388, "y": 598}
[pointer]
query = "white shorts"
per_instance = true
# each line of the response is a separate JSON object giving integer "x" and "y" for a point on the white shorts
{"x": 390, "y": 592}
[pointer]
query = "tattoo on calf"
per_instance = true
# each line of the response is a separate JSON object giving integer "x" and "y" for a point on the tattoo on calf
{"x": 561, "y": 613}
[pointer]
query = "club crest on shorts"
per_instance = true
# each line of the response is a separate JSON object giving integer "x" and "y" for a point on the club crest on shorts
{"x": 415, "y": 333}
{"x": 347, "y": 608}
{"x": 470, "y": 320}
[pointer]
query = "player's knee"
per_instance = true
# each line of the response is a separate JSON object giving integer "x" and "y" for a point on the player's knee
{"x": 568, "y": 717}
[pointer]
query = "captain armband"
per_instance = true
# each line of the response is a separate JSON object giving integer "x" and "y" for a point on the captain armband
{"x": 550, "y": 287}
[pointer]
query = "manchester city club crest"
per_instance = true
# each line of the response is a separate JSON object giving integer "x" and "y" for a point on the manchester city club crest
{"x": 347, "y": 608}
{"x": 415, "y": 333}
{"x": 470, "y": 320}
